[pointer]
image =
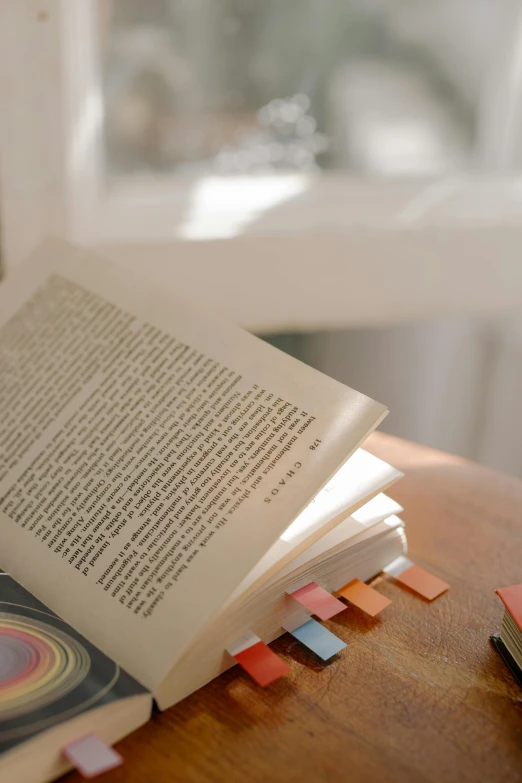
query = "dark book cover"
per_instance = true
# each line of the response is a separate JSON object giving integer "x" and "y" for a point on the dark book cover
{"x": 508, "y": 658}
{"x": 48, "y": 672}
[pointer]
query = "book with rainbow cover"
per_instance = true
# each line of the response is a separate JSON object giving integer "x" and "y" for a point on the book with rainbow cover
{"x": 171, "y": 487}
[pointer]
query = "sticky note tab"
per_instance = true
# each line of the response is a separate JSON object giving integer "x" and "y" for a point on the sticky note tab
{"x": 422, "y": 582}
{"x": 397, "y": 566}
{"x": 262, "y": 664}
{"x": 242, "y": 643}
{"x": 318, "y": 639}
{"x": 318, "y": 601}
{"x": 298, "y": 618}
{"x": 364, "y": 597}
{"x": 91, "y": 756}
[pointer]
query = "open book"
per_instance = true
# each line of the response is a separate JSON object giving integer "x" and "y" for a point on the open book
{"x": 165, "y": 480}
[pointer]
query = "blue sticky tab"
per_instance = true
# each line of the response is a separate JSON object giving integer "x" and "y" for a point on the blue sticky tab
{"x": 318, "y": 639}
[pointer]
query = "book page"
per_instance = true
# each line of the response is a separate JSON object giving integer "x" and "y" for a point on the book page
{"x": 150, "y": 454}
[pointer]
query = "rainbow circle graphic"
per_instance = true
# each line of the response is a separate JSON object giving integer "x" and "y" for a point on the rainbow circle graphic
{"x": 49, "y": 673}
{"x": 39, "y": 664}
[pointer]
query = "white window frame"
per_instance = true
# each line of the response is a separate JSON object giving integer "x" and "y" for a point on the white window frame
{"x": 288, "y": 252}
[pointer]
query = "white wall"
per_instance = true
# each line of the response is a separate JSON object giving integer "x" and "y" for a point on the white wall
{"x": 454, "y": 385}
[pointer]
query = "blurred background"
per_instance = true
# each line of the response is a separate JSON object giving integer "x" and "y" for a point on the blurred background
{"x": 387, "y": 87}
{"x": 350, "y": 91}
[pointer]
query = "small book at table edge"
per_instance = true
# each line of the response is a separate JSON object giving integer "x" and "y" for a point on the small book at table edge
{"x": 511, "y": 597}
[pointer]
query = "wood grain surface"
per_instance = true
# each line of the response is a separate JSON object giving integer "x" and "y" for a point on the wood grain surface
{"x": 420, "y": 695}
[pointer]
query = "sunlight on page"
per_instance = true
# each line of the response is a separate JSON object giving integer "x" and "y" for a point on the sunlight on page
{"x": 333, "y": 499}
{"x": 380, "y": 509}
{"x": 376, "y": 508}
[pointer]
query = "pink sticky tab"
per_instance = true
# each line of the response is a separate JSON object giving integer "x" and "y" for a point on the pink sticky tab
{"x": 318, "y": 601}
{"x": 91, "y": 756}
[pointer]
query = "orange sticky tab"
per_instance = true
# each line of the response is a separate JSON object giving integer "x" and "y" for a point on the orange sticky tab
{"x": 364, "y": 597}
{"x": 422, "y": 582}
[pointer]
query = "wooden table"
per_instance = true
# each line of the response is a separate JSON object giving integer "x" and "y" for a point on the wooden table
{"x": 420, "y": 695}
